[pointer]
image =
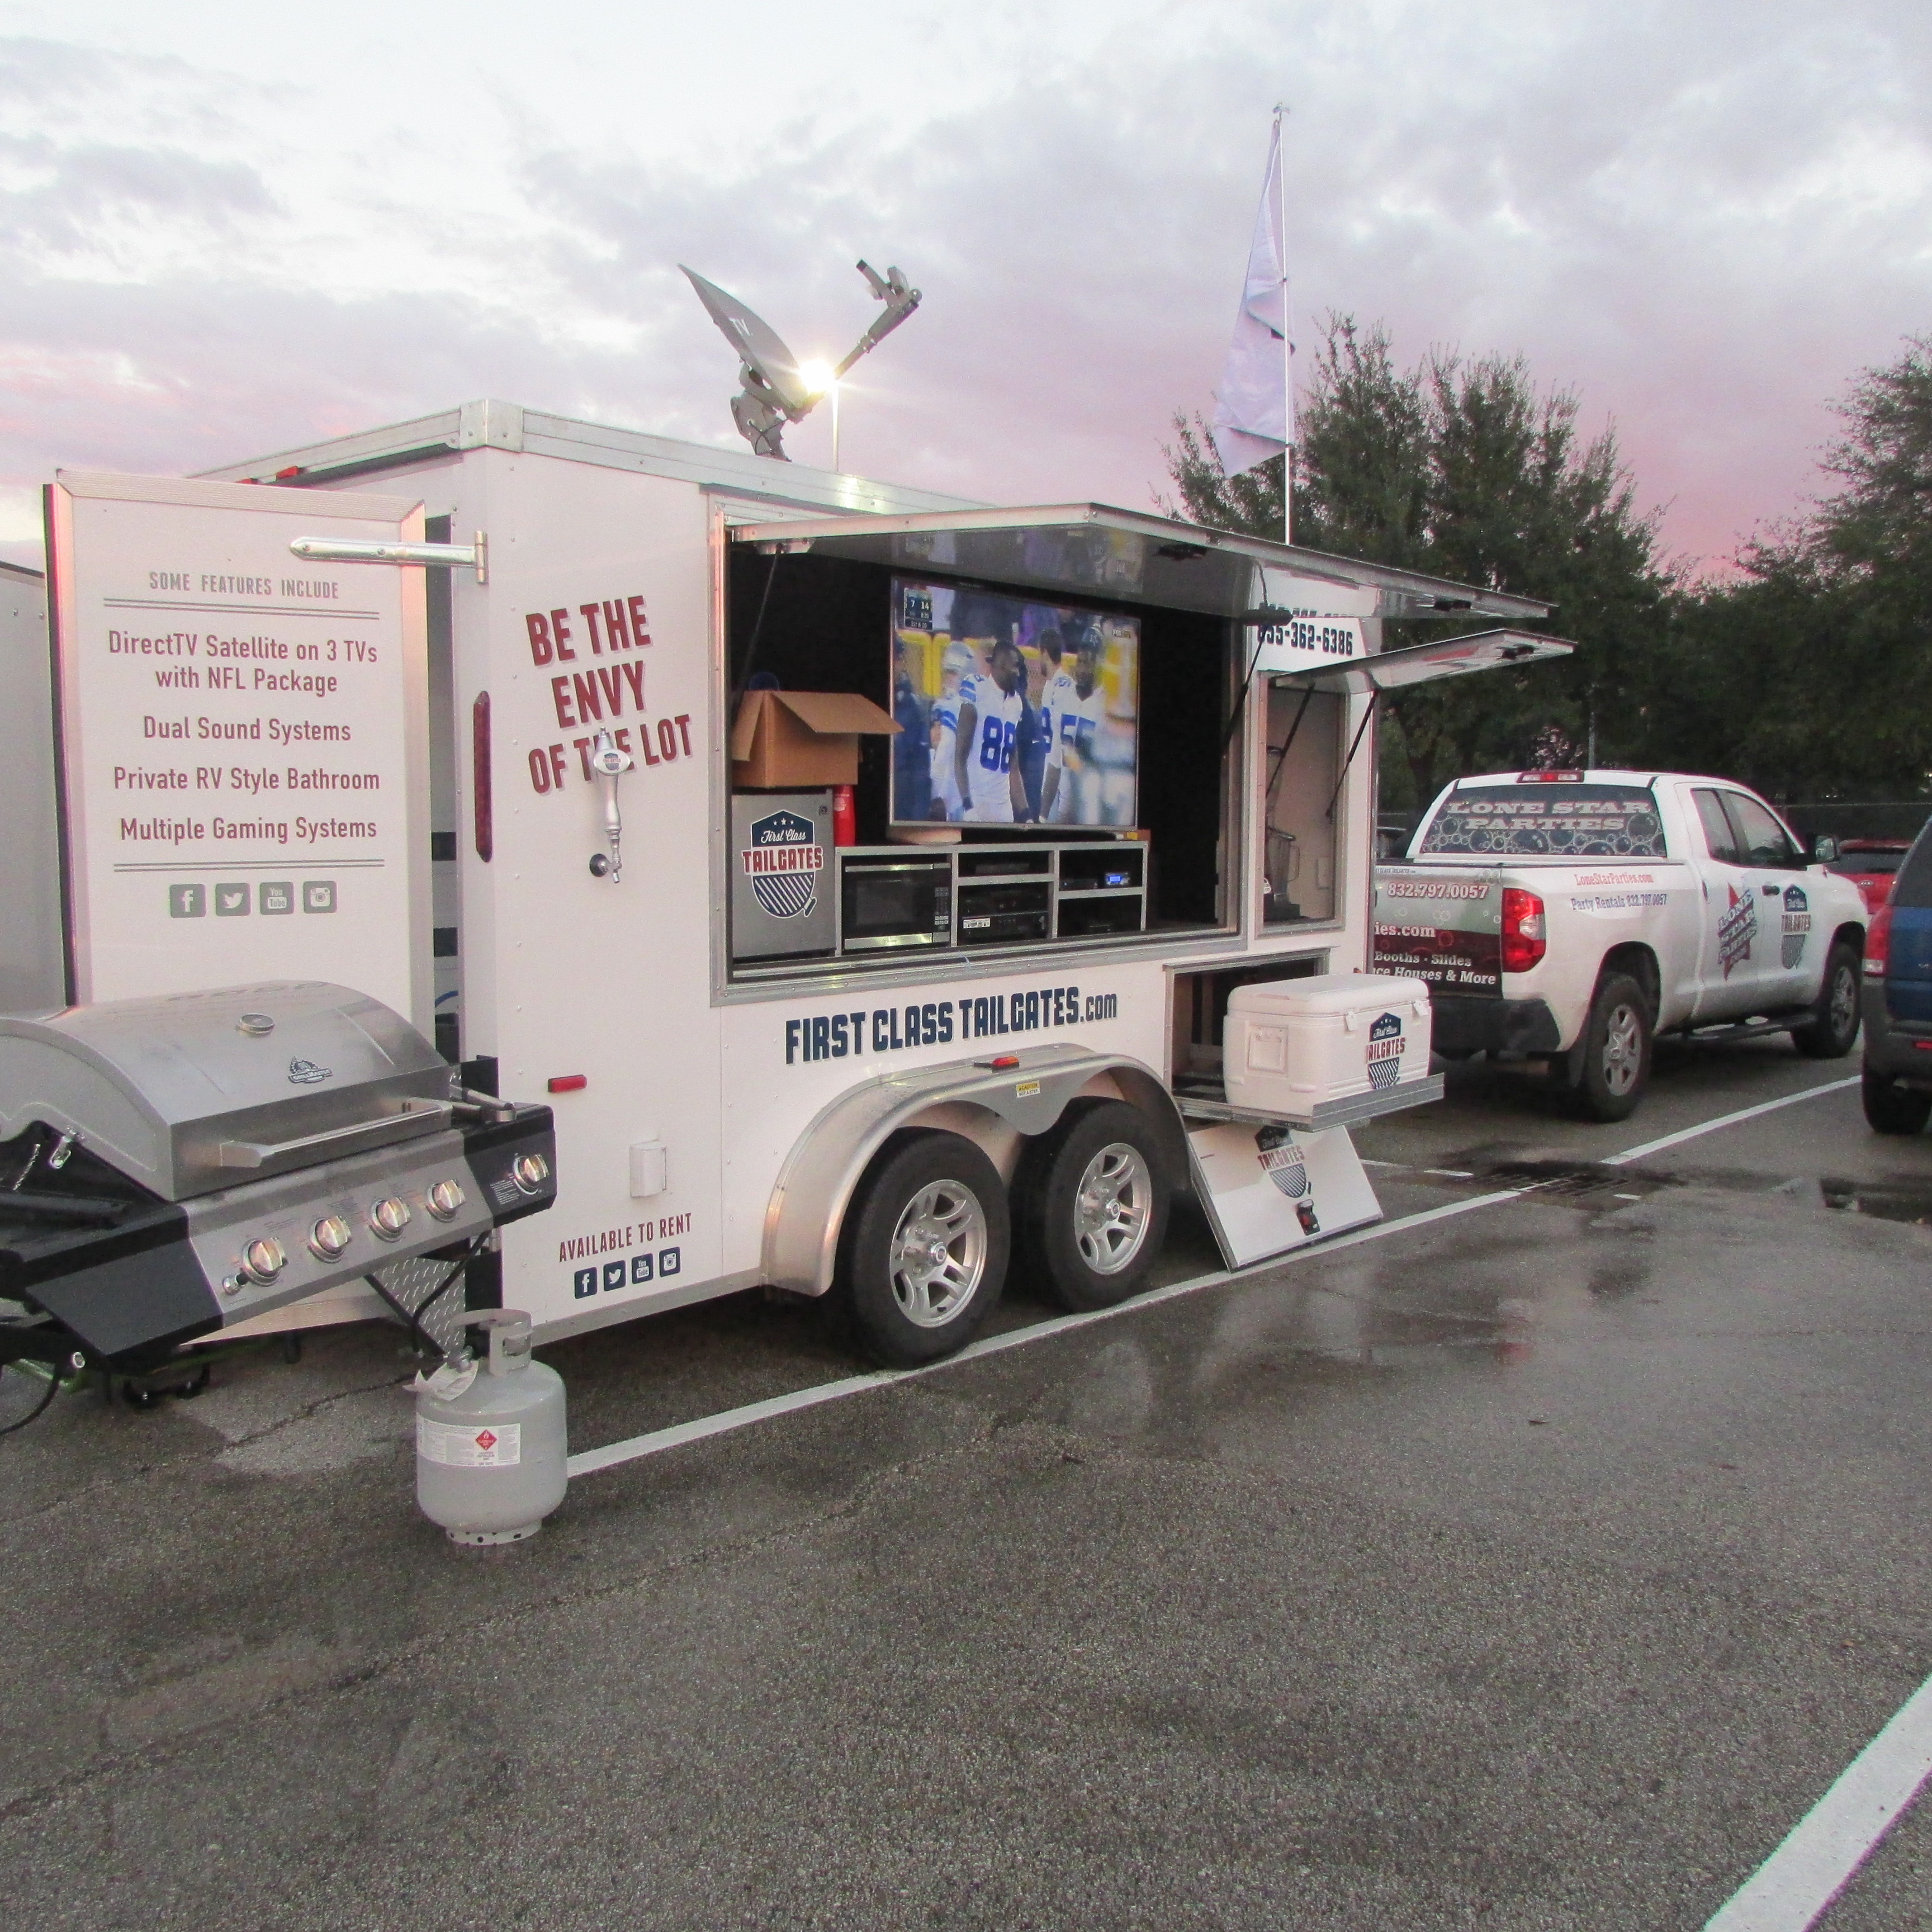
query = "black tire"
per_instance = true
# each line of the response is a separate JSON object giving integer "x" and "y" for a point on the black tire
{"x": 898, "y": 1319}
{"x": 1092, "y": 1201}
{"x": 1834, "y": 1026}
{"x": 1894, "y": 1110}
{"x": 1612, "y": 1059}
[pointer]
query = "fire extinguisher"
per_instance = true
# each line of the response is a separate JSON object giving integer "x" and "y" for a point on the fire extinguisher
{"x": 844, "y": 816}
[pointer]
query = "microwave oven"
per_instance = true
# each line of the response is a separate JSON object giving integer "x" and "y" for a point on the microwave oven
{"x": 893, "y": 902}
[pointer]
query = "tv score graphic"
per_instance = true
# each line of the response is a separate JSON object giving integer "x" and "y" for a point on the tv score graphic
{"x": 243, "y": 783}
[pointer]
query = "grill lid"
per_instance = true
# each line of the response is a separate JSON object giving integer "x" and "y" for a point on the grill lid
{"x": 190, "y": 1092}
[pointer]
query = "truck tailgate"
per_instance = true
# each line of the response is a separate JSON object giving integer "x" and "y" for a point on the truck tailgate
{"x": 1440, "y": 926}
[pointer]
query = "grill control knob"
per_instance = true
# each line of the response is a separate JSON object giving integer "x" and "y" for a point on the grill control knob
{"x": 329, "y": 1237}
{"x": 263, "y": 1259}
{"x": 530, "y": 1171}
{"x": 443, "y": 1199}
{"x": 389, "y": 1218}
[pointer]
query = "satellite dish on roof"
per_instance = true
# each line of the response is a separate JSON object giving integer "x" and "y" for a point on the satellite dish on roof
{"x": 776, "y": 391}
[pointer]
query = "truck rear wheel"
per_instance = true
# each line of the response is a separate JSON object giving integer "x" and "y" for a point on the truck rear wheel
{"x": 923, "y": 1254}
{"x": 1613, "y": 1068}
{"x": 1894, "y": 1110}
{"x": 1093, "y": 1203}
{"x": 1833, "y": 1024}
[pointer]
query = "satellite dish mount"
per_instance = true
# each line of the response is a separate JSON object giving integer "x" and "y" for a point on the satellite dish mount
{"x": 776, "y": 391}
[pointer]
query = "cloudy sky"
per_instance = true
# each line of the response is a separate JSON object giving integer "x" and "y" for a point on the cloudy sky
{"x": 228, "y": 226}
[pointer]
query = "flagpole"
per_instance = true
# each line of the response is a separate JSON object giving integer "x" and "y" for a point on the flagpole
{"x": 1287, "y": 346}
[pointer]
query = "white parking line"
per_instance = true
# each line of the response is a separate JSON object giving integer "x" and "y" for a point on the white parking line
{"x": 1727, "y": 1120}
{"x": 1792, "y": 1889}
{"x": 588, "y": 1461}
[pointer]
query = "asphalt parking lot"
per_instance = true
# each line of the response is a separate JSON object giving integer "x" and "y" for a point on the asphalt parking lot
{"x": 1536, "y": 1564}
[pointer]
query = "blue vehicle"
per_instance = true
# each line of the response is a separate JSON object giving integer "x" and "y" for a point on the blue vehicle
{"x": 1898, "y": 1000}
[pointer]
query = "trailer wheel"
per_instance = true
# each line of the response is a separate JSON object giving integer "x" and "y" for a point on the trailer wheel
{"x": 923, "y": 1254}
{"x": 1614, "y": 1053}
{"x": 1093, "y": 1203}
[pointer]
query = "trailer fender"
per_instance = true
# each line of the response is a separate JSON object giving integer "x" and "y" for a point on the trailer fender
{"x": 1025, "y": 1096}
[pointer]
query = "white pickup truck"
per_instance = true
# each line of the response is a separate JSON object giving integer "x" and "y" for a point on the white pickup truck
{"x": 1567, "y": 918}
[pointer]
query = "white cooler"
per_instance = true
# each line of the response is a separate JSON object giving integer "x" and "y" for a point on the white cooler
{"x": 1289, "y": 1045}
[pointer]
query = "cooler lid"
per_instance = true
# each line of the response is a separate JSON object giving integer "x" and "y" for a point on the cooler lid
{"x": 1329, "y": 993}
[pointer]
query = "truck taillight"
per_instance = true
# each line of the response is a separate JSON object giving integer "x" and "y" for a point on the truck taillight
{"x": 1878, "y": 941}
{"x": 1524, "y": 944}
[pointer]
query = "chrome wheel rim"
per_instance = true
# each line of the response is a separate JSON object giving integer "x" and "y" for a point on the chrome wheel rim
{"x": 1111, "y": 1207}
{"x": 938, "y": 1253}
{"x": 1623, "y": 1050}
{"x": 1844, "y": 1001}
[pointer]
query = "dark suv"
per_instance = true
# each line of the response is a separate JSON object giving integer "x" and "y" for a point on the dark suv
{"x": 1898, "y": 1000}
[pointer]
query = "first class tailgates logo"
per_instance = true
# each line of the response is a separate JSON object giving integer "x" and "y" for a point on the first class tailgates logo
{"x": 1283, "y": 1163}
{"x": 1385, "y": 1044}
{"x": 783, "y": 861}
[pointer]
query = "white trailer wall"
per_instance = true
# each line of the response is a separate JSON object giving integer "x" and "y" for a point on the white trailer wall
{"x": 33, "y": 970}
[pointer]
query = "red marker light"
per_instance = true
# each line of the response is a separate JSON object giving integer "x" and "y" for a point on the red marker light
{"x": 1005, "y": 1061}
{"x": 483, "y": 807}
{"x": 569, "y": 1083}
{"x": 283, "y": 475}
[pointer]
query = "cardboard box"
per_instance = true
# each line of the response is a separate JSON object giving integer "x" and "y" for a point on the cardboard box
{"x": 782, "y": 739}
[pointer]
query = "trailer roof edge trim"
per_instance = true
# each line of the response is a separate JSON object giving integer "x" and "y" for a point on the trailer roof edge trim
{"x": 491, "y": 424}
{"x": 1132, "y": 557}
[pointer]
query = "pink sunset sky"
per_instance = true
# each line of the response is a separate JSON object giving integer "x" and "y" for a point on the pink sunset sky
{"x": 231, "y": 228}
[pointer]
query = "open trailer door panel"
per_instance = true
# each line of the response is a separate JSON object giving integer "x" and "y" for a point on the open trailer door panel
{"x": 243, "y": 772}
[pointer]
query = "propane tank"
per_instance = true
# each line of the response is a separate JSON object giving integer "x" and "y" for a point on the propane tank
{"x": 490, "y": 1437}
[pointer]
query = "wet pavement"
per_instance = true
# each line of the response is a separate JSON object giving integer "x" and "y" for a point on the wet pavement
{"x": 1538, "y": 1565}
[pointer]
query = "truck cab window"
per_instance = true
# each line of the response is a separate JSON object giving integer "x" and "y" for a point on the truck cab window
{"x": 1720, "y": 841}
{"x": 1762, "y": 839}
{"x": 1533, "y": 820}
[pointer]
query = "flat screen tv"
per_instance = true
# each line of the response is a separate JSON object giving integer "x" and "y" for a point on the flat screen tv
{"x": 1012, "y": 712}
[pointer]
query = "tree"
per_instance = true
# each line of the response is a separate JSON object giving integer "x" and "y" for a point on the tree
{"x": 1810, "y": 674}
{"x": 1465, "y": 469}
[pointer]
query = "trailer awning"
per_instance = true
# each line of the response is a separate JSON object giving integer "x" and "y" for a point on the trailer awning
{"x": 1420, "y": 663}
{"x": 1133, "y": 557}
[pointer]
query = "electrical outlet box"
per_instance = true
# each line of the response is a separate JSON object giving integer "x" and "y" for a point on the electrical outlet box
{"x": 650, "y": 1169}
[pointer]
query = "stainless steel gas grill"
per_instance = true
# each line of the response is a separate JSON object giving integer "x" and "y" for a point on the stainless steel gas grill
{"x": 171, "y": 1167}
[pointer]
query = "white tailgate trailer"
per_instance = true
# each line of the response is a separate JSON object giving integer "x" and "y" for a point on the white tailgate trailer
{"x": 724, "y": 1109}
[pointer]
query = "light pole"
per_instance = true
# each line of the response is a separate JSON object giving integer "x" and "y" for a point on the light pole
{"x": 822, "y": 378}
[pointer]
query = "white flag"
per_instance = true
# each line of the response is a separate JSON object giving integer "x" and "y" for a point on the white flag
{"x": 1254, "y": 414}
